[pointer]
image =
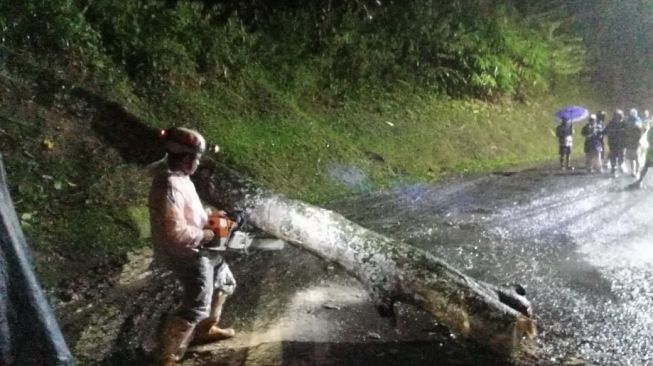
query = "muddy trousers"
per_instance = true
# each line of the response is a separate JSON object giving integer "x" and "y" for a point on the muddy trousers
{"x": 200, "y": 277}
{"x": 204, "y": 281}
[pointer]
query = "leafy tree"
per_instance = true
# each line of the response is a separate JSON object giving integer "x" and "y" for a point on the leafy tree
{"x": 480, "y": 48}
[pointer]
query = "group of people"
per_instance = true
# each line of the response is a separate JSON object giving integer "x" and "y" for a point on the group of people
{"x": 628, "y": 141}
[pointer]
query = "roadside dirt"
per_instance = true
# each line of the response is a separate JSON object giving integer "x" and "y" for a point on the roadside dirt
{"x": 325, "y": 318}
{"x": 290, "y": 308}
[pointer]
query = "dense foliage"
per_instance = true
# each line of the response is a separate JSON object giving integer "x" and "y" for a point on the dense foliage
{"x": 480, "y": 48}
{"x": 619, "y": 35}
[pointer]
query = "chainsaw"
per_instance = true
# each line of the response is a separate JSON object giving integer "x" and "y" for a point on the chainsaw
{"x": 230, "y": 235}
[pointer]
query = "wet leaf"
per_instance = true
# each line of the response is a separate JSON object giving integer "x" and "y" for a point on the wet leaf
{"x": 26, "y": 216}
{"x": 48, "y": 143}
{"x": 58, "y": 185}
{"x": 28, "y": 154}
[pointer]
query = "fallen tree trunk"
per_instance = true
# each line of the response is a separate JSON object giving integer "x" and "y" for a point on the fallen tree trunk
{"x": 391, "y": 270}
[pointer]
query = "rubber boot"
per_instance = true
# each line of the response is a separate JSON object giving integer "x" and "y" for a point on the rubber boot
{"x": 207, "y": 330}
{"x": 176, "y": 335}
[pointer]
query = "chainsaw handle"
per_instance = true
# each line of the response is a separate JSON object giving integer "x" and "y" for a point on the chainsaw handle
{"x": 237, "y": 216}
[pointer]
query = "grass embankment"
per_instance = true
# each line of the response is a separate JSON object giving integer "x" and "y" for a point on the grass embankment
{"x": 78, "y": 199}
{"x": 316, "y": 154}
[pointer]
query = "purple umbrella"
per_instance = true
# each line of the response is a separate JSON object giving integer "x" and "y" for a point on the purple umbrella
{"x": 573, "y": 113}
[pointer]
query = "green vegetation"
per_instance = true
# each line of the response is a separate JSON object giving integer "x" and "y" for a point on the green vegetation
{"x": 618, "y": 35}
{"x": 315, "y": 100}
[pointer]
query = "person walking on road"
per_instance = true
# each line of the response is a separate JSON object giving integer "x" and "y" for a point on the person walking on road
{"x": 564, "y": 133}
{"x": 615, "y": 133}
{"x": 644, "y": 145}
{"x": 648, "y": 162}
{"x": 600, "y": 124}
{"x": 179, "y": 230}
{"x": 633, "y": 131}
{"x": 593, "y": 145}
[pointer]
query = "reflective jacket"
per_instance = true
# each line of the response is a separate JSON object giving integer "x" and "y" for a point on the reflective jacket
{"x": 177, "y": 216}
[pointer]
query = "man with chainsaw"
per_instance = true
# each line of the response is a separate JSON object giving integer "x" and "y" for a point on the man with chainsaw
{"x": 180, "y": 232}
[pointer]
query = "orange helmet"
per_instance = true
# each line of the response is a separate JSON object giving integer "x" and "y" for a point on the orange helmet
{"x": 180, "y": 140}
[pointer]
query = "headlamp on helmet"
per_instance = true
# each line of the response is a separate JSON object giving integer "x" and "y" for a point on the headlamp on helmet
{"x": 180, "y": 140}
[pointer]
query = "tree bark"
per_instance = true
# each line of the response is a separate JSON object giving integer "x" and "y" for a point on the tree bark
{"x": 495, "y": 317}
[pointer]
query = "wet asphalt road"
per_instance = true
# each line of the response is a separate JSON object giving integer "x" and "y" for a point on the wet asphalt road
{"x": 580, "y": 244}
